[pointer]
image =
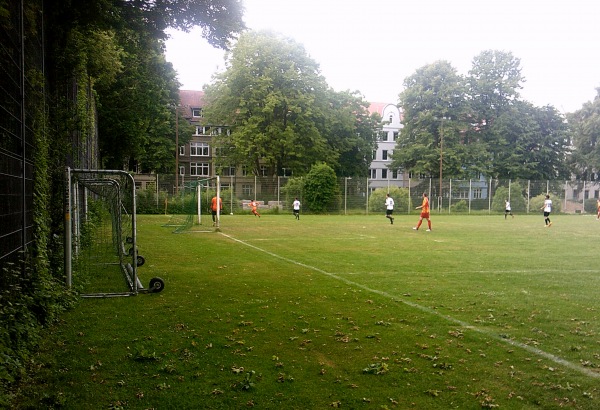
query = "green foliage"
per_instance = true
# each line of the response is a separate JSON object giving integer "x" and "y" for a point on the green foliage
{"x": 283, "y": 114}
{"x": 460, "y": 206}
{"x": 590, "y": 206}
{"x": 536, "y": 203}
{"x": 585, "y": 128}
{"x": 321, "y": 190}
{"x": 517, "y": 198}
{"x": 293, "y": 188}
{"x": 478, "y": 124}
{"x": 399, "y": 195}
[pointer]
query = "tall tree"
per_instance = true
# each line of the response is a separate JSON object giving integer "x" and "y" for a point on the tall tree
{"x": 531, "y": 143}
{"x": 493, "y": 83}
{"x": 585, "y": 127}
{"x": 351, "y": 133}
{"x": 273, "y": 97}
{"x": 435, "y": 115}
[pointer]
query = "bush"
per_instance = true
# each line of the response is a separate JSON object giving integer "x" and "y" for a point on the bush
{"x": 460, "y": 206}
{"x": 590, "y": 206}
{"x": 321, "y": 190}
{"x": 517, "y": 198}
{"x": 293, "y": 188}
{"x": 399, "y": 195}
{"x": 537, "y": 202}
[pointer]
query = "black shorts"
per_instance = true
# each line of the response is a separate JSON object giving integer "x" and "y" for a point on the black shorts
{"x": 546, "y": 214}
{"x": 389, "y": 211}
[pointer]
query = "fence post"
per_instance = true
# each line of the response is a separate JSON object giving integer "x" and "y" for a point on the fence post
{"x": 367, "y": 195}
{"x": 450, "y": 197}
{"x": 409, "y": 197}
{"x": 490, "y": 197}
{"x": 470, "y": 194}
{"x": 528, "y": 194}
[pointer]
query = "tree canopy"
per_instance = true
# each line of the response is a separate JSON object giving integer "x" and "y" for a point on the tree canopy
{"x": 477, "y": 125}
{"x": 282, "y": 113}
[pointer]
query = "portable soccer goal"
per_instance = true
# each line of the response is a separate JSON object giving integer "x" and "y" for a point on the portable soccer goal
{"x": 193, "y": 198}
{"x": 101, "y": 247}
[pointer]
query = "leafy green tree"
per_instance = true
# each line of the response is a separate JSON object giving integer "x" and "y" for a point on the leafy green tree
{"x": 493, "y": 82}
{"x": 529, "y": 143}
{"x": 321, "y": 189}
{"x": 585, "y": 128}
{"x": 435, "y": 115}
{"x": 351, "y": 132}
{"x": 273, "y": 97}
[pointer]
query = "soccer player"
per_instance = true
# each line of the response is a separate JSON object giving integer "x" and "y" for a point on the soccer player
{"x": 598, "y": 209}
{"x": 253, "y": 206}
{"x": 214, "y": 207}
{"x": 424, "y": 213}
{"x": 389, "y": 208}
{"x": 547, "y": 207}
{"x": 507, "y": 209}
{"x": 296, "y": 206}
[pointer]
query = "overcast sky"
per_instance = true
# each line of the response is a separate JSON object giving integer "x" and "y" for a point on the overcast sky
{"x": 373, "y": 45}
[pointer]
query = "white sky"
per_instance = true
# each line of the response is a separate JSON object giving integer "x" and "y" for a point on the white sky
{"x": 373, "y": 45}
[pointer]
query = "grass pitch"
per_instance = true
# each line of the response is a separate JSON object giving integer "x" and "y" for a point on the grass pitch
{"x": 341, "y": 311}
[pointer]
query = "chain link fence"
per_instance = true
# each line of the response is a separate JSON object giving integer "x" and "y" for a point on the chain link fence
{"x": 158, "y": 194}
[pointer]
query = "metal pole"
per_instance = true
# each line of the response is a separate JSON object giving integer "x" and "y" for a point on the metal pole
{"x": 441, "y": 161}
{"x": 218, "y": 201}
{"x": 345, "y": 193}
{"x": 68, "y": 238}
{"x": 176, "y": 150}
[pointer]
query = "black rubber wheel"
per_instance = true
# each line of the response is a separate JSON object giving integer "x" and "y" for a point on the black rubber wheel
{"x": 156, "y": 285}
{"x": 140, "y": 260}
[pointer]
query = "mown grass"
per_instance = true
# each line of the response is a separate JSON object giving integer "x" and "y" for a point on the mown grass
{"x": 340, "y": 311}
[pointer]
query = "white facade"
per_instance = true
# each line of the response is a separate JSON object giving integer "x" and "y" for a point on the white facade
{"x": 379, "y": 173}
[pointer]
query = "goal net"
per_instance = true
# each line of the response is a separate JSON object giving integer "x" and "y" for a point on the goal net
{"x": 101, "y": 249}
{"x": 192, "y": 204}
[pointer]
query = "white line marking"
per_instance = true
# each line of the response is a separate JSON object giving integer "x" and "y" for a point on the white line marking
{"x": 530, "y": 349}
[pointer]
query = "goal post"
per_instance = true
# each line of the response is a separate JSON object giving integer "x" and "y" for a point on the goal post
{"x": 194, "y": 197}
{"x": 101, "y": 234}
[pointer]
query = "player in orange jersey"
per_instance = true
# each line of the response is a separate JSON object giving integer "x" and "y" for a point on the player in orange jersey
{"x": 424, "y": 213}
{"x": 214, "y": 208}
{"x": 253, "y": 206}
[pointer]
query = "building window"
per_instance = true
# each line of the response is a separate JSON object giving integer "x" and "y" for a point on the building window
{"x": 384, "y": 155}
{"x": 384, "y": 173}
{"x": 228, "y": 171}
{"x": 198, "y": 130}
{"x": 373, "y": 173}
{"x": 395, "y": 174}
{"x": 197, "y": 112}
{"x": 199, "y": 149}
{"x": 247, "y": 189}
{"x": 263, "y": 171}
{"x": 477, "y": 193}
{"x": 182, "y": 150}
{"x": 244, "y": 171}
{"x": 374, "y": 155}
{"x": 396, "y": 133}
{"x": 181, "y": 170}
{"x": 200, "y": 169}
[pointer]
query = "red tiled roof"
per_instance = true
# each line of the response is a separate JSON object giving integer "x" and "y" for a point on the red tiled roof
{"x": 377, "y": 107}
{"x": 191, "y": 98}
